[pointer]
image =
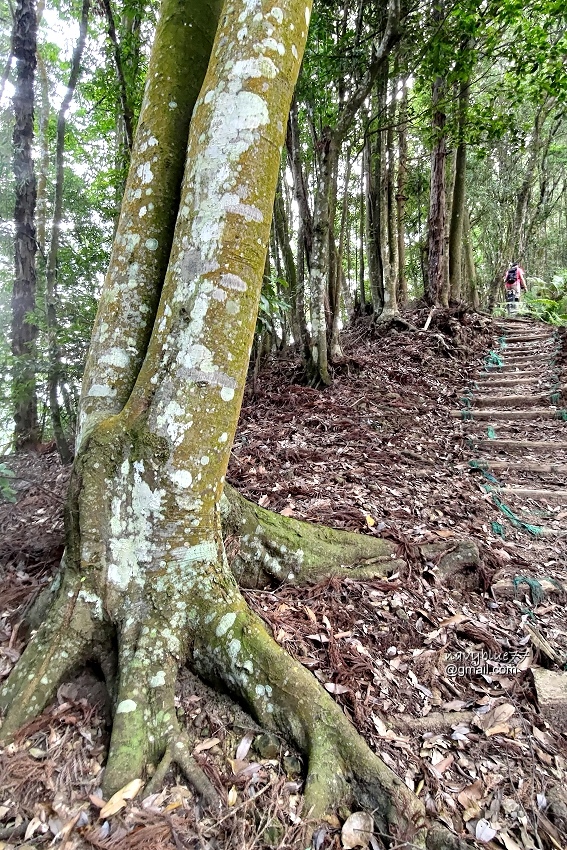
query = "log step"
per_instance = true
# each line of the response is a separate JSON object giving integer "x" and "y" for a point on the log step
{"x": 486, "y": 383}
{"x": 529, "y": 493}
{"x": 510, "y": 400}
{"x": 515, "y": 369}
{"x": 523, "y": 445}
{"x": 528, "y": 338}
{"x": 523, "y": 466}
{"x": 534, "y": 413}
{"x": 523, "y": 359}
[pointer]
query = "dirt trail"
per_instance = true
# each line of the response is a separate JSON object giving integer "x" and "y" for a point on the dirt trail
{"x": 516, "y": 429}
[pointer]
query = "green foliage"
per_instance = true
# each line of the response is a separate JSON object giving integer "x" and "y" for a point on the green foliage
{"x": 272, "y": 304}
{"x": 7, "y": 492}
{"x": 548, "y": 302}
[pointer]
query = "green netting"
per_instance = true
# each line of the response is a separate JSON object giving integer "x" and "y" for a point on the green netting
{"x": 556, "y": 398}
{"x": 497, "y": 528}
{"x": 561, "y": 414}
{"x": 502, "y": 341}
{"x": 491, "y": 433}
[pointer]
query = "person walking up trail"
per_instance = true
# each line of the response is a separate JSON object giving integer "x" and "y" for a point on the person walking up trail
{"x": 514, "y": 285}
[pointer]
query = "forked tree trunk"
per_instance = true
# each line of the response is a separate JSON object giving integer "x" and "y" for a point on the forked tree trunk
{"x": 24, "y": 331}
{"x": 146, "y": 585}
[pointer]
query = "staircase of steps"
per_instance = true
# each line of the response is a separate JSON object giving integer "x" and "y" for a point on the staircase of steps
{"x": 515, "y": 422}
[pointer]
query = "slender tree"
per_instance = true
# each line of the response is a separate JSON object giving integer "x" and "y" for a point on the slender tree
{"x": 24, "y": 330}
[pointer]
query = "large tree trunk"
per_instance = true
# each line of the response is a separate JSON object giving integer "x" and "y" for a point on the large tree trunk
{"x": 145, "y": 585}
{"x": 24, "y": 331}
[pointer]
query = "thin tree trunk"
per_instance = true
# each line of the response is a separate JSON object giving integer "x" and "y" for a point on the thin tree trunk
{"x": 470, "y": 269}
{"x": 24, "y": 331}
{"x": 281, "y": 226}
{"x": 458, "y": 205}
{"x": 318, "y": 369}
{"x": 54, "y": 364}
{"x": 401, "y": 199}
{"x": 293, "y": 147}
{"x": 362, "y": 234}
{"x": 387, "y": 228}
{"x": 127, "y": 114}
{"x": 436, "y": 257}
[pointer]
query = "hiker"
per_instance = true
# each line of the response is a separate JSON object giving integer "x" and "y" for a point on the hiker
{"x": 514, "y": 285}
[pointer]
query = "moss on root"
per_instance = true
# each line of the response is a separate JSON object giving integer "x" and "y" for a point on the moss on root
{"x": 271, "y": 547}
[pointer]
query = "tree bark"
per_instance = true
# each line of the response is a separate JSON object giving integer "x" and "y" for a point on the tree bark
{"x": 401, "y": 199}
{"x": 471, "y": 277}
{"x": 436, "y": 257}
{"x": 54, "y": 372}
{"x": 24, "y": 331}
{"x": 458, "y": 205}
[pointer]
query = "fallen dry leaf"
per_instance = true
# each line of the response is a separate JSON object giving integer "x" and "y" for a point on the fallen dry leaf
{"x": 471, "y": 794}
{"x": 207, "y": 744}
{"x": 357, "y": 830}
{"x": 118, "y": 800}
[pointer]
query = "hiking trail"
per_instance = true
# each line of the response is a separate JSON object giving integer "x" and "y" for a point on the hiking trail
{"x": 517, "y": 432}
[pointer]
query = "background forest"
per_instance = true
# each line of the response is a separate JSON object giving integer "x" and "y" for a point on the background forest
{"x": 426, "y": 149}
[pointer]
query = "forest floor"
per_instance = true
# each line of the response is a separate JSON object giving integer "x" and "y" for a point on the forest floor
{"x": 451, "y": 669}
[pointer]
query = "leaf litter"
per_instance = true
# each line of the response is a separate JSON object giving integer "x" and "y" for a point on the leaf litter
{"x": 437, "y": 679}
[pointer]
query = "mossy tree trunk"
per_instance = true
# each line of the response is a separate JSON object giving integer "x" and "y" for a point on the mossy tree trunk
{"x": 145, "y": 585}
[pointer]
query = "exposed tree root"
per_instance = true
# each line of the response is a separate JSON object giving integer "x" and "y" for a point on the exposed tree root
{"x": 285, "y": 697}
{"x": 388, "y": 321}
{"x": 64, "y": 642}
{"x": 270, "y": 547}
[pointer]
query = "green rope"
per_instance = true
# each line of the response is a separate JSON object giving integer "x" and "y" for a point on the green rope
{"x": 536, "y": 590}
{"x": 478, "y": 464}
{"x": 491, "y": 433}
{"x": 555, "y": 398}
{"x": 498, "y": 529}
{"x": 535, "y": 530}
{"x": 466, "y": 415}
{"x": 492, "y": 359}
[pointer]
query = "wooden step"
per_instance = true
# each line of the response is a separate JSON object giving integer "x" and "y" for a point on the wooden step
{"x": 510, "y": 466}
{"x": 509, "y": 400}
{"x": 493, "y": 415}
{"x": 512, "y": 338}
{"x": 516, "y": 369}
{"x": 530, "y": 493}
{"x": 525, "y": 446}
{"x": 525, "y": 358}
{"x": 485, "y": 383}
